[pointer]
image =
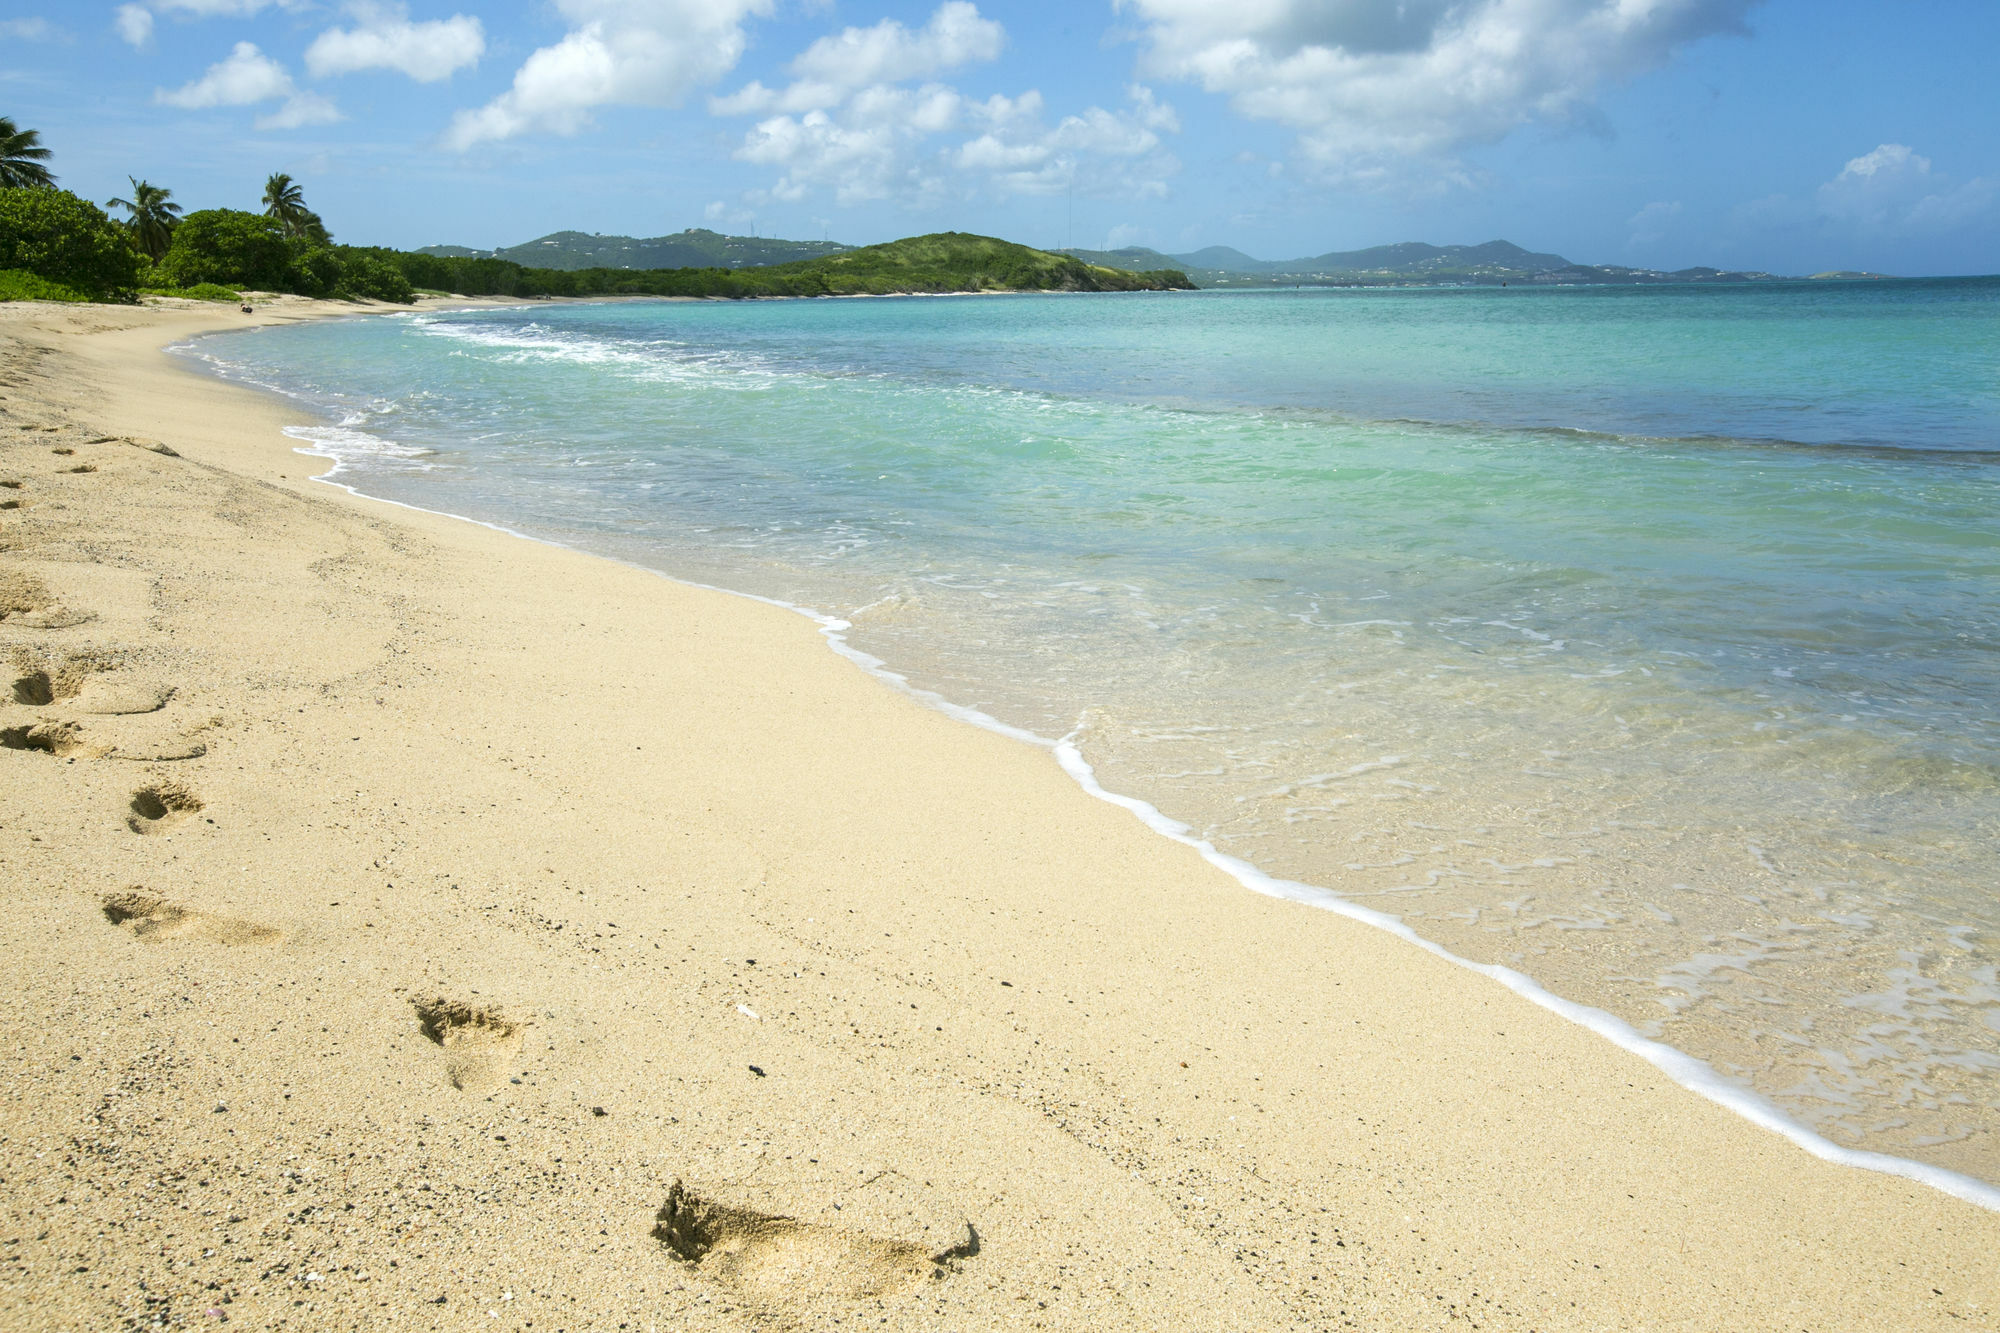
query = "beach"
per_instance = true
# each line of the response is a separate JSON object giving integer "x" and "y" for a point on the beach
{"x": 418, "y": 926}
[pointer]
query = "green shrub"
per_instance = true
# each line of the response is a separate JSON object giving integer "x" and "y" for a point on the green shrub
{"x": 229, "y": 248}
{"x": 316, "y": 271}
{"x": 18, "y": 285}
{"x": 365, "y": 277}
{"x": 66, "y": 240}
{"x": 201, "y": 291}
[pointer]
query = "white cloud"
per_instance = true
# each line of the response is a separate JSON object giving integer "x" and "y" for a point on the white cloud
{"x": 834, "y": 67}
{"x": 246, "y": 78}
{"x": 134, "y": 24}
{"x": 1893, "y": 189}
{"x": 301, "y": 108}
{"x": 845, "y": 125}
{"x": 1100, "y": 153}
{"x": 865, "y": 151}
{"x": 1369, "y": 84}
{"x": 1650, "y": 224}
{"x": 386, "y": 39}
{"x": 221, "y": 8}
{"x": 619, "y": 53}
{"x": 29, "y": 30}
{"x": 877, "y": 145}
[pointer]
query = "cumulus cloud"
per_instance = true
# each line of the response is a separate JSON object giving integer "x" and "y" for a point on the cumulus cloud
{"x": 617, "y": 53}
{"x": 1099, "y": 152}
{"x": 864, "y": 151}
{"x": 386, "y": 39}
{"x": 850, "y": 124}
{"x": 134, "y": 24}
{"x": 832, "y": 68}
{"x": 1370, "y": 84}
{"x": 1893, "y": 189}
{"x": 247, "y": 78}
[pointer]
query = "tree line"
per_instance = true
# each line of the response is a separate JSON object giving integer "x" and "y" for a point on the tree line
{"x": 56, "y": 244}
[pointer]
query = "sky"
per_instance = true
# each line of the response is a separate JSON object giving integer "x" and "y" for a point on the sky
{"x": 1793, "y": 136}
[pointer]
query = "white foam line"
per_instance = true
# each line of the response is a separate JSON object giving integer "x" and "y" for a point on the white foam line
{"x": 1684, "y": 1069}
{"x": 1693, "y": 1074}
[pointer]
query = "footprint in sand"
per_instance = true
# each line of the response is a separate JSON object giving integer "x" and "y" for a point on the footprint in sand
{"x": 159, "y": 807}
{"x": 120, "y": 698}
{"x": 479, "y": 1044}
{"x": 39, "y": 687}
{"x": 27, "y": 601}
{"x": 783, "y": 1260}
{"x": 155, "y": 920}
{"x": 63, "y": 739}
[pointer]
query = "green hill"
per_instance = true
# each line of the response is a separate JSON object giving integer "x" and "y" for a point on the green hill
{"x": 954, "y": 261}
{"x": 697, "y": 247}
{"x": 941, "y": 262}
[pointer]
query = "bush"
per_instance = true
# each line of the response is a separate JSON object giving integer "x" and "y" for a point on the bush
{"x": 201, "y": 291}
{"x": 19, "y": 285}
{"x": 58, "y": 237}
{"x": 230, "y": 248}
{"x": 366, "y": 278}
{"x": 316, "y": 271}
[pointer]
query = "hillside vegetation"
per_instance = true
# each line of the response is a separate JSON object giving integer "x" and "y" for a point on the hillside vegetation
{"x": 941, "y": 262}
{"x": 697, "y": 247}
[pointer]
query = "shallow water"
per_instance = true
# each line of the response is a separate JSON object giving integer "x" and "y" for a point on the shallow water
{"x": 1642, "y": 639}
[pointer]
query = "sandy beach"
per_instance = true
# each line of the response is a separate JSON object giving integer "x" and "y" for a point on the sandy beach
{"x": 415, "y": 926}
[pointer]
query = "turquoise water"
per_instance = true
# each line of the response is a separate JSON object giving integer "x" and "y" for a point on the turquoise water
{"x": 1646, "y": 640}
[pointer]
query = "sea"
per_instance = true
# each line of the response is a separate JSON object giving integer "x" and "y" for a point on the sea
{"x": 1641, "y": 644}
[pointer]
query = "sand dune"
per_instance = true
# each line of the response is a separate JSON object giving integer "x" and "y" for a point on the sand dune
{"x": 411, "y": 926}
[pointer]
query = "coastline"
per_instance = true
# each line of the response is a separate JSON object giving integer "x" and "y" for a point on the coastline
{"x": 1427, "y": 1146}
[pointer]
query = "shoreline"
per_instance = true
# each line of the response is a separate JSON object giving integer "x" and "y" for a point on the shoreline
{"x": 1185, "y": 954}
{"x": 1688, "y": 1071}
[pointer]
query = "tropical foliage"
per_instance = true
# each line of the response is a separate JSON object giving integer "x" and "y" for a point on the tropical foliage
{"x": 201, "y": 291}
{"x": 61, "y": 238}
{"x": 285, "y": 203}
{"x": 229, "y": 247}
{"x": 252, "y": 251}
{"x": 22, "y": 158}
{"x": 153, "y": 218}
{"x": 17, "y": 285}
{"x": 944, "y": 262}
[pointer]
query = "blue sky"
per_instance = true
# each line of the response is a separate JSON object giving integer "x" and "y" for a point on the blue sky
{"x": 1787, "y": 135}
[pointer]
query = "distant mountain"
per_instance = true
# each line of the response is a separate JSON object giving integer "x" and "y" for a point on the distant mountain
{"x": 694, "y": 248}
{"x": 941, "y": 262}
{"x": 1414, "y": 257}
{"x": 1409, "y": 263}
{"x": 1222, "y": 259}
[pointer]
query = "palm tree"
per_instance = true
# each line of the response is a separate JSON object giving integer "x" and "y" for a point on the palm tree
{"x": 153, "y": 219}
{"x": 21, "y": 158}
{"x": 284, "y": 201}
